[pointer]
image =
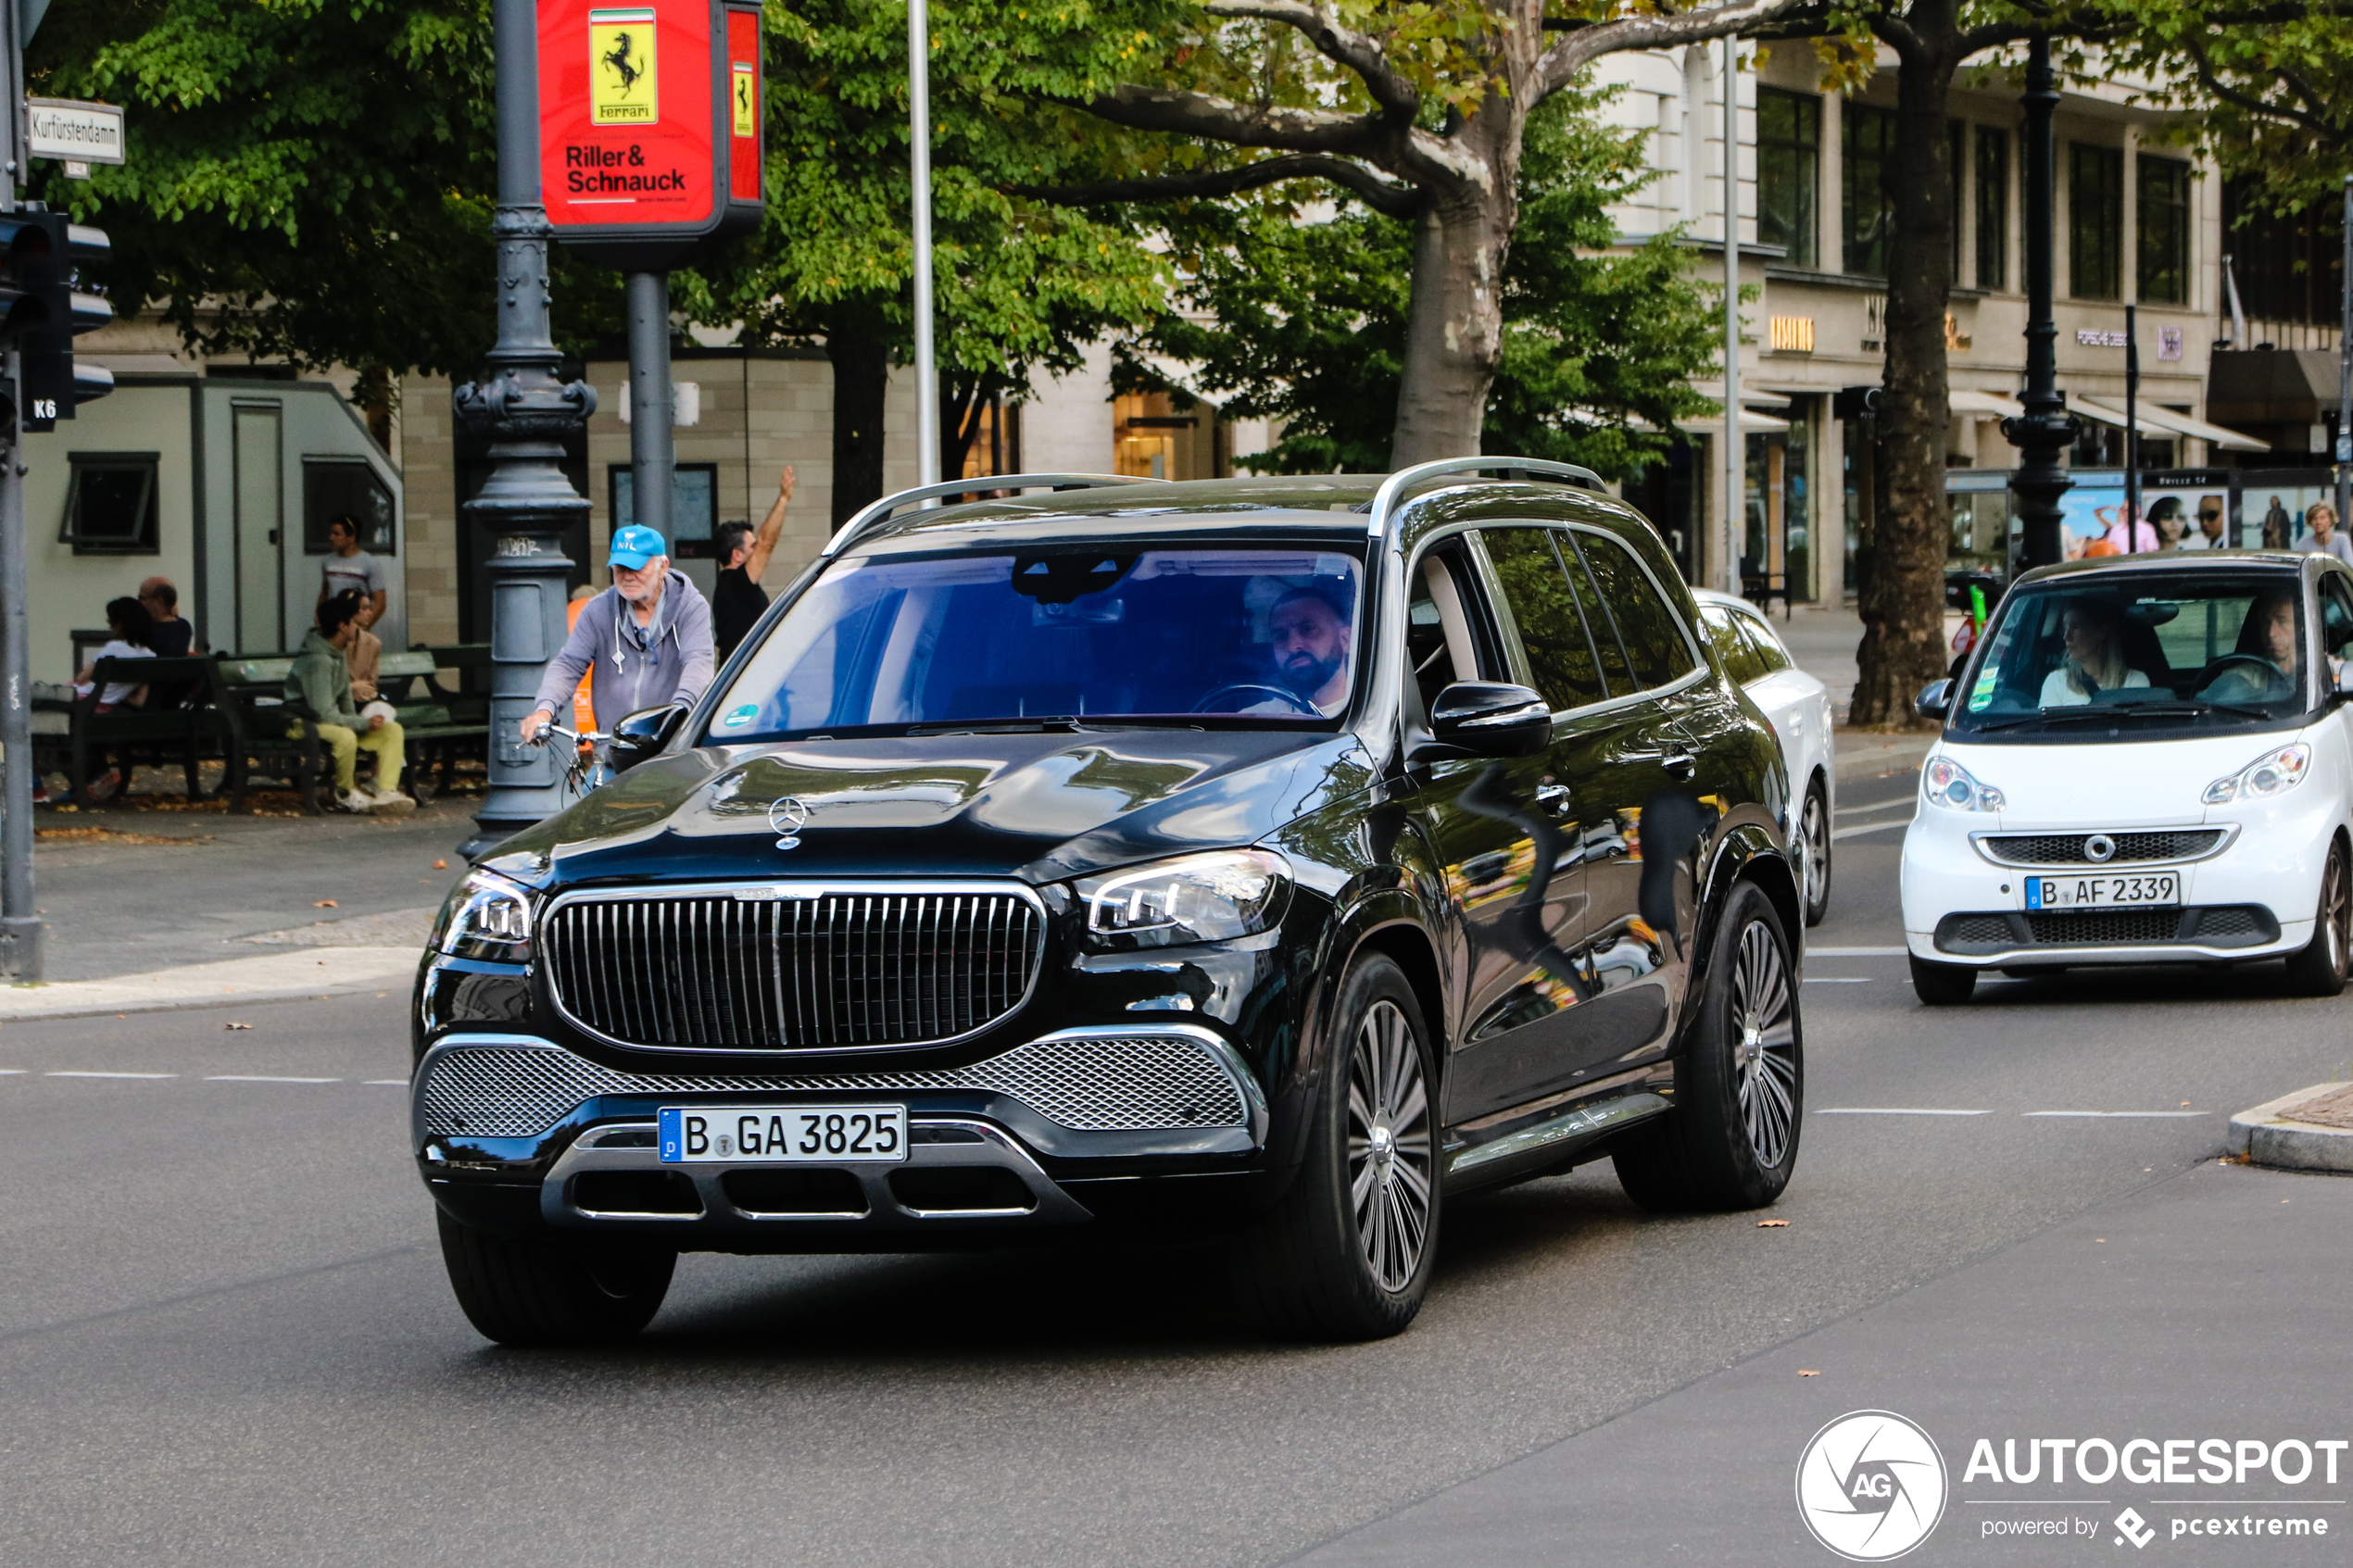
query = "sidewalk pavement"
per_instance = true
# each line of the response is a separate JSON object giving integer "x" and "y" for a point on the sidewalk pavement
{"x": 273, "y": 977}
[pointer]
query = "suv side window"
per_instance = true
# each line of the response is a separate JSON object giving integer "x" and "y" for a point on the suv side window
{"x": 1447, "y": 638}
{"x": 1654, "y": 638}
{"x": 1552, "y": 629}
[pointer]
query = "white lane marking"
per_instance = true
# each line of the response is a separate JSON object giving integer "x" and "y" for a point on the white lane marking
{"x": 263, "y": 1078}
{"x": 1891, "y": 1110}
{"x": 1870, "y": 827}
{"x": 386, "y": 1082}
{"x": 2125, "y": 1115}
{"x": 1882, "y": 806}
{"x": 87, "y": 1075}
{"x": 1857, "y": 952}
{"x": 1837, "y": 980}
{"x": 12, "y": 1072}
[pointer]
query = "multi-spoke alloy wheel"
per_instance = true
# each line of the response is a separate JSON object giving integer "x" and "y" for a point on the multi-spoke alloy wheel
{"x": 1730, "y": 1141}
{"x": 2320, "y": 969}
{"x": 1766, "y": 1056}
{"x": 1814, "y": 855}
{"x": 1346, "y": 1254}
{"x": 1389, "y": 1146}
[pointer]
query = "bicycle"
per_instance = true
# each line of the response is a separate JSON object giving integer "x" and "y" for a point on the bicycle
{"x": 591, "y": 766}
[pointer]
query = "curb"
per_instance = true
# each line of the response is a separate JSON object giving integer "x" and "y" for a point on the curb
{"x": 273, "y": 977}
{"x": 2264, "y": 1136}
{"x": 1867, "y": 756}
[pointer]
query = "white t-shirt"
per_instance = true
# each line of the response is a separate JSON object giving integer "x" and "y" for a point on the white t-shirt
{"x": 2058, "y": 693}
{"x": 362, "y": 571}
{"x": 117, "y": 691}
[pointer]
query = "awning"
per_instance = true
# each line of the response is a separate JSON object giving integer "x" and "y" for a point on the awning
{"x": 2171, "y": 423}
{"x": 1983, "y": 404}
{"x": 1752, "y": 423}
{"x": 1752, "y": 396}
{"x": 2100, "y": 413}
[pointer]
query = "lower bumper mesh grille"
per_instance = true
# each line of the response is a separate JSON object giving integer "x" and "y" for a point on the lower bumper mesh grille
{"x": 2216, "y": 926}
{"x": 1088, "y": 1083}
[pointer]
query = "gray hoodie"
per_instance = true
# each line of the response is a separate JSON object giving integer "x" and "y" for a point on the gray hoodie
{"x": 636, "y": 666}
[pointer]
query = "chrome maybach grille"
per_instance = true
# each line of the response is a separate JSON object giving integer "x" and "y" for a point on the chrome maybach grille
{"x": 770, "y": 969}
{"x": 1127, "y": 1082}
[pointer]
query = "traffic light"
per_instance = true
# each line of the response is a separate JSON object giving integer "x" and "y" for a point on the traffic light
{"x": 50, "y": 383}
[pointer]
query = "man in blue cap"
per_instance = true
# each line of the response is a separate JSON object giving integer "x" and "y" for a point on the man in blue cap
{"x": 649, "y": 636}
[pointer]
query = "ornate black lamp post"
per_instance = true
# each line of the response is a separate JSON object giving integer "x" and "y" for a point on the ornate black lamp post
{"x": 527, "y": 410}
{"x": 2046, "y": 429}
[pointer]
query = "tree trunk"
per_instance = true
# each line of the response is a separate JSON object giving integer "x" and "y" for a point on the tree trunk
{"x": 1455, "y": 325}
{"x": 861, "y": 374}
{"x": 1901, "y": 597}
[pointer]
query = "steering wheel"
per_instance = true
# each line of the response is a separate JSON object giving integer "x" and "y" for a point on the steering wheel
{"x": 2265, "y": 673}
{"x": 1281, "y": 694}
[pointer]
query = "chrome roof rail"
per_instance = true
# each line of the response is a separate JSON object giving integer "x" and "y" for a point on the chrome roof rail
{"x": 1392, "y": 490}
{"x": 890, "y": 504}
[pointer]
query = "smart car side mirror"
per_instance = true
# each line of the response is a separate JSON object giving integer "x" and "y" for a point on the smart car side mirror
{"x": 1935, "y": 700}
{"x": 1491, "y": 718}
{"x": 642, "y": 734}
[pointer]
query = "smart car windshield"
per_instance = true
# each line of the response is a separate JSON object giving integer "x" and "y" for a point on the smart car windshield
{"x": 2130, "y": 655}
{"x": 1091, "y": 633}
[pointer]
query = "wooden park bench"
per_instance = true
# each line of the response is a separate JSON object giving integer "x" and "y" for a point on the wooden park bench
{"x": 272, "y": 739}
{"x": 437, "y": 723}
{"x": 187, "y": 717}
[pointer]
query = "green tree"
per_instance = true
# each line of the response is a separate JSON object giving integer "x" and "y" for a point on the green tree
{"x": 1305, "y": 321}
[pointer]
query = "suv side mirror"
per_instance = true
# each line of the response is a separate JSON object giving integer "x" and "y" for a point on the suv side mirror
{"x": 1935, "y": 700}
{"x": 1492, "y": 719}
{"x": 642, "y": 734}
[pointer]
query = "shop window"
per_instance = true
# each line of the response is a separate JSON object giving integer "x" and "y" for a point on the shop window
{"x": 2163, "y": 268}
{"x": 111, "y": 504}
{"x": 1161, "y": 435}
{"x": 2094, "y": 221}
{"x": 336, "y": 487}
{"x": 1867, "y": 217}
{"x": 694, "y": 506}
{"x": 1788, "y": 172}
{"x": 1992, "y": 207}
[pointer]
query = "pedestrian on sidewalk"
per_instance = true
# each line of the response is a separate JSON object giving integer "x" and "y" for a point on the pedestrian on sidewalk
{"x": 319, "y": 691}
{"x": 738, "y": 600}
{"x": 349, "y": 566}
{"x": 367, "y": 649}
{"x": 172, "y": 637}
{"x": 648, "y": 638}
{"x": 2321, "y": 537}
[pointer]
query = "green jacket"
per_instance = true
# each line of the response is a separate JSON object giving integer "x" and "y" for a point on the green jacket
{"x": 320, "y": 683}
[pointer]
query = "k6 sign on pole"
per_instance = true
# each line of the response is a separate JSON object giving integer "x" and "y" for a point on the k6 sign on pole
{"x": 649, "y": 127}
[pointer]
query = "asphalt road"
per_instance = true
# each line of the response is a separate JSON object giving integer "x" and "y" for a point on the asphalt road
{"x": 225, "y": 1337}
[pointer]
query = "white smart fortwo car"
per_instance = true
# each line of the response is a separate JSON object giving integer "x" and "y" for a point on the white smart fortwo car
{"x": 2148, "y": 759}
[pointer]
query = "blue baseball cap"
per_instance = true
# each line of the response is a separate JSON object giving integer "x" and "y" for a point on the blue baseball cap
{"x": 633, "y": 547}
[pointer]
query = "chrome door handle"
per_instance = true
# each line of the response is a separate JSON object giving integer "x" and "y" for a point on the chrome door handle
{"x": 1556, "y": 796}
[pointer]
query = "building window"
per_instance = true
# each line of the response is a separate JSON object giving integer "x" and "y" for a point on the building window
{"x": 1992, "y": 207}
{"x": 111, "y": 504}
{"x": 1867, "y": 217}
{"x": 1957, "y": 165}
{"x": 694, "y": 506}
{"x": 2163, "y": 271}
{"x": 1789, "y": 172}
{"x": 2094, "y": 221}
{"x": 2287, "y": 264}
{"x": 339, "y": 487}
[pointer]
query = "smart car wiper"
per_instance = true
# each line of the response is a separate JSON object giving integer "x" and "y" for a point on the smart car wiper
{"x": 2101, "y": 714}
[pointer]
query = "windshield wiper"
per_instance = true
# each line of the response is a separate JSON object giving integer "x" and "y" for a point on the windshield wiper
{"x": 2090, "y": 714}
{"x": 1042, "y": 726}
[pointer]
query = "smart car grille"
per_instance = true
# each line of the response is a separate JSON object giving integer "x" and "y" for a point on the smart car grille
{"x": 1111, "y": 1083}
{"x": 724, "y": 971}
{"x": 2067, "y": 849}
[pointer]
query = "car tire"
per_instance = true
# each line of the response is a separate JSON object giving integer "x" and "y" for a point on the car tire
{"x": 1943, "y": 985}
{"x": 1814, "y": 847}
{"x": 1329, "y": 1265}
{"x": 2320, "y": 969}
{"x": 533, "y": 1294}
{"x": 1730, "y": 1142}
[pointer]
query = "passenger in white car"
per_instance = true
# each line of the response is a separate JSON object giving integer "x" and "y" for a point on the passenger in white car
{"x": 2095, "y": 662}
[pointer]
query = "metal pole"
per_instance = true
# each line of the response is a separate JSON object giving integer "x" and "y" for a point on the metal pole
{"x": 652, "y": 458}
{"x": 919, "y": 159}
{"x": 2132, "y": 433}
{"x": 20, "y": 922}
{"x": 2345, "y": 375}
{"x": 2046, "y": 429}
{"x": 1735, "y": 444}
{"x": 528, "y": 410}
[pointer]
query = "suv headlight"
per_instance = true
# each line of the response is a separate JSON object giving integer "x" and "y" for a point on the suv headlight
{"x": 485, "y": 917}
{"x": 1949, "y": 784}
{"x": 2274, "y": 773}
{"x": 1192, "y": 899}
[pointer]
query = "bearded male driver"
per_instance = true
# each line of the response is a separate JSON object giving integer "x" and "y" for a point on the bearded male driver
{"x": 648, "y": 635}
{"x": 1307, "y": 635}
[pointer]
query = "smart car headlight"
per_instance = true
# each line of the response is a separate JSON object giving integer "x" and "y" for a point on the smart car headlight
{"x": 1949, "y": 784}
{"x": 2274, "y": 773}
{"x": 485, "y": 917}
{"x": 1209, "y": 897}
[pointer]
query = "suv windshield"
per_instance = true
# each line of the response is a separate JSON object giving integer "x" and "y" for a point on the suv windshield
{"x": 2142, "y": 652}
{"x": 1088, "y": 632}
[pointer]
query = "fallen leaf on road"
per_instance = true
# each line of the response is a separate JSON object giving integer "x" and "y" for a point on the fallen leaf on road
{"x": 1772, "y": 1225}
{"x": 441, "y": 865}
{"x": 2101, "y": 1240}
{"x": 2185, "y": 1102}
{"x": 1803, "y": 1372}
{"x": 236, "y": 1026}
{"x": 325, "y": 904}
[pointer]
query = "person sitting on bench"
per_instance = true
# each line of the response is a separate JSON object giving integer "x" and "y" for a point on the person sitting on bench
{"x": 320, "y": 682}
